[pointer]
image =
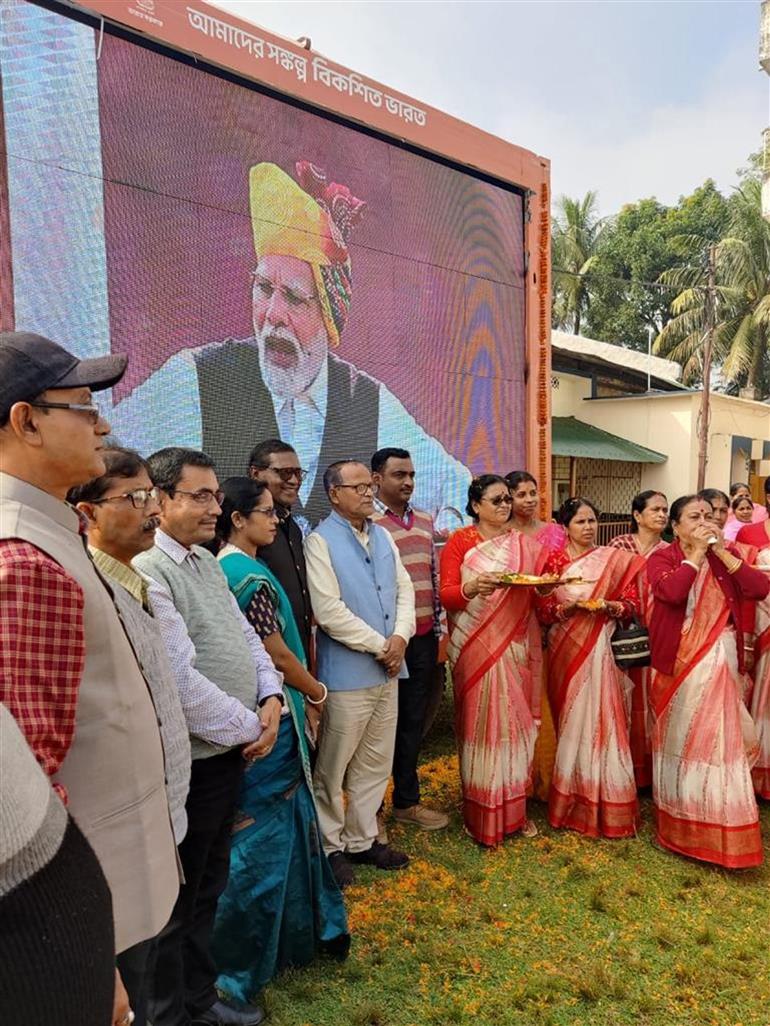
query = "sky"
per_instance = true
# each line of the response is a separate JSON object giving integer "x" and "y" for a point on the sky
{"x": 631, "y": 99}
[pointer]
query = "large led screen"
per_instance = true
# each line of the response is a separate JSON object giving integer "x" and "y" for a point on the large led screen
{"x": 268, "y": 270}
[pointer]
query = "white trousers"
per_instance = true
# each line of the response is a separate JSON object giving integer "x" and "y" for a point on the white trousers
{"x": 355, "y": 755}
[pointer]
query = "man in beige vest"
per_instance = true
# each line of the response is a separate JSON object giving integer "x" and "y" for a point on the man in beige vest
{"x": 67, "y": 670}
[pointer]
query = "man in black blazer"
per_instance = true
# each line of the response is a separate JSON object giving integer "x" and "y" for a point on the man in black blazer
{"x": 277, "y": 464}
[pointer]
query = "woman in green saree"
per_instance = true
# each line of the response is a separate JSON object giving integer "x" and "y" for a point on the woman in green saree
{"x": 282, "y": 905}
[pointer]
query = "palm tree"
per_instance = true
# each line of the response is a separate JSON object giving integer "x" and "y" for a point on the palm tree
{"x": 577, "y": 228}
{"x": 742, "y": 298}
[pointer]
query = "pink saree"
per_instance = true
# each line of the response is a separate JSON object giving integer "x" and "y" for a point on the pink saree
{"x": 703, "y": 741}
{"x": 496, "y": 694}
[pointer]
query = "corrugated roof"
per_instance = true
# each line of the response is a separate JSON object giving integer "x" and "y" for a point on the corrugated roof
{"x": 571, "y": 437}
{"x": 630, "y": 359}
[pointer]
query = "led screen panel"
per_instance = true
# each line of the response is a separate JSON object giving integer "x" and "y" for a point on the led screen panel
{"x": 269, "y": 270}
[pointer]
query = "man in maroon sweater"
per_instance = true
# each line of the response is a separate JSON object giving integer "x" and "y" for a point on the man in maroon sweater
{"x": 412, "y": 531}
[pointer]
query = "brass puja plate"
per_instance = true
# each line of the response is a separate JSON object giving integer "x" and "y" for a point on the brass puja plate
{"x": 515, "y": 580}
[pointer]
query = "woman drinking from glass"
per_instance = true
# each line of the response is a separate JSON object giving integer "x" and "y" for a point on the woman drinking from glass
{"x": 282, "y": 905}
{"x": 703, "y": 739}
{"x": 649, "y": 519}
{"x": 489, "y": 654}
{"x": 593, "y": 789}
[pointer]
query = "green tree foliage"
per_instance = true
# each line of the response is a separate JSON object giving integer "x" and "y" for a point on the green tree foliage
{"x": 635, "y": 248}
{"x": 742, "y": 301}
{"x": 754, "y": 166}
{"x": 577, "y": 231}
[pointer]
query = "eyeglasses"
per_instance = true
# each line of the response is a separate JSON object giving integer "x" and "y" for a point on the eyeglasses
{"x": 287, "y": 473}
{"x": 264, "y": 289}
{"x": 92, "y": 409}
{"x": 360, "y": 489}
{"x": 499, "y": 500}
{"x": 270, "y": 512}
{"x": 202, "y": 497}
{"x": 138, "y": 498}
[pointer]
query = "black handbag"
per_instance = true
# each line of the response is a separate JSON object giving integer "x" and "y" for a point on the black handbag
{"x": 631, "y": 645}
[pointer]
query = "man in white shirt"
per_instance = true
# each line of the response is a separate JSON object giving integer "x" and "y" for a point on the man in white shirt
{"x": 286, "y": 381}
{"x": 363, "y": 603}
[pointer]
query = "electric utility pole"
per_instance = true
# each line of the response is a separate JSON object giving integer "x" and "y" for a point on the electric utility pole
{"x": 704, "y": 417}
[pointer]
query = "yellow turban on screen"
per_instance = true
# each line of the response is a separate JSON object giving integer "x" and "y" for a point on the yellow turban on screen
{"x": 310, "y": 220}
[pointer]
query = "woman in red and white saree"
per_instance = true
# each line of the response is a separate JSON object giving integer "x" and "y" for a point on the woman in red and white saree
{"x": 524, "y": 518}
{"x": 593, "y": 789}
{"x": 649, "y": 517}
{"x": 496, "y": 695}
{"x": 703, "y": 739}
{"x": 758, "y": 537}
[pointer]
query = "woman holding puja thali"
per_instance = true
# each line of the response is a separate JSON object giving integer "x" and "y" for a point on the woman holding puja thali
{"x": 593, "y": 789}
{"x": 496, "y": 694}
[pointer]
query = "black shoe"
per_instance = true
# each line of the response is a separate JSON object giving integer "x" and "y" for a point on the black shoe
{"x": 380, "y": 855}
{"x": 223, "y": 1014}
{"x": 342, "y": 869}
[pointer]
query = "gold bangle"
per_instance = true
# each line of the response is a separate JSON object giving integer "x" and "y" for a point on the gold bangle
{"x": 735, "y": 567}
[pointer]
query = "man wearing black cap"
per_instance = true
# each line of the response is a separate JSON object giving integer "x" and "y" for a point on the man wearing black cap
{"x": 67, "y": 670}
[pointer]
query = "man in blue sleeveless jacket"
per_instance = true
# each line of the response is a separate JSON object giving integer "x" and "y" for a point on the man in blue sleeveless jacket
{"x": 363, "y": 603}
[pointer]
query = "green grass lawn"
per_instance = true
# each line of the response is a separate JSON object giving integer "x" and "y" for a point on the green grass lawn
{"x": 555, "y": 930}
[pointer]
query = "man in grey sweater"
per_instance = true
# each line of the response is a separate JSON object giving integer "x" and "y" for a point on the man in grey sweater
{"x": 122, "y": 513}
{"x": 232, "y": 698}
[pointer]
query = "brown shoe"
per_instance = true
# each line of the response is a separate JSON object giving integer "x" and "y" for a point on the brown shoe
{"x": 421, "y": 816}
{"x": 382, "y": 831}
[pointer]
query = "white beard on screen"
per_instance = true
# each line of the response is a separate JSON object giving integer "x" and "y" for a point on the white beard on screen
{"x": 303, "y": 365}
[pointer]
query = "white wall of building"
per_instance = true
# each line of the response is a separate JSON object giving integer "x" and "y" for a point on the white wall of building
{"x": 668, "y": 424}
{"x": 567, "y": 393}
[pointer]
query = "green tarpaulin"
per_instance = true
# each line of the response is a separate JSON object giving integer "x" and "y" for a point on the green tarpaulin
{"x": 571, "y": 437}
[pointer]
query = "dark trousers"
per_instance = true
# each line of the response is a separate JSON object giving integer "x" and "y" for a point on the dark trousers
{"x": 135, "y": 966}
{"x": 413, "y": 697}
{"x": 185, "y": 974}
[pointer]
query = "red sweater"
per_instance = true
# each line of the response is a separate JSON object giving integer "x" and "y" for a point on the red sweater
{"x": 671, "y": 579}
{"x": 413, "y": 535}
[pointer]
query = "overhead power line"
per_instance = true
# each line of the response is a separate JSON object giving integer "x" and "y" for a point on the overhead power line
{"x": 627, "y": 281}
